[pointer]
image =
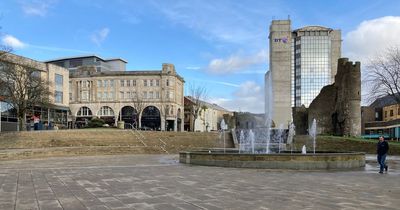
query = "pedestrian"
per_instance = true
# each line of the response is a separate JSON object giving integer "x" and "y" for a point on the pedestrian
{"x": 381, "y": 149}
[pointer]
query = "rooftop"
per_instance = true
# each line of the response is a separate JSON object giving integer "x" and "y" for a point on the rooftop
{"x": 85, "y": 56}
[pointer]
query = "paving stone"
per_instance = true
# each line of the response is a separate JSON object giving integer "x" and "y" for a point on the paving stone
{"x": 49, "y": 205}
{"x": 150, "y": 182}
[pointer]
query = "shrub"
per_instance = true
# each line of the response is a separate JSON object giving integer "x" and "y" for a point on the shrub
{"x": 95, "y": 123}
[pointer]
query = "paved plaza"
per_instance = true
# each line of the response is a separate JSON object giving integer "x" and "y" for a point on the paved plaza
{"x": 160, "y": 182}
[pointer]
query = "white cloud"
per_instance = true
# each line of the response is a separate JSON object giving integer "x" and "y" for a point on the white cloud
{"x": 37, "y": 7}
{"x": 235, "y": 63}
{"x": 99, "y": 36}
{"x": 372, "y": 37}
{"x": 249, "y": 97}
{"x": 13, "y": 42}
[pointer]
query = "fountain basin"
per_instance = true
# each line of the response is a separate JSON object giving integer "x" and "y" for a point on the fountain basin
{"x": 295, "y": 161}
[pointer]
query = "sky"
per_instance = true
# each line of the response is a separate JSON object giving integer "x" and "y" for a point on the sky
{"x": 219, "y": 44}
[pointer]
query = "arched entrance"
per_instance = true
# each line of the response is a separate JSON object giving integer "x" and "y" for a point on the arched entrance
{"x": 107, "y": 114}
{"x": 129, "y": 115}
{"x": 83, "y": 116}
{"x": 151, "y": 118}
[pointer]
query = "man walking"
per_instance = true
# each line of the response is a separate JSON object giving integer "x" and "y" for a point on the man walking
{"x": 381, "y": 149}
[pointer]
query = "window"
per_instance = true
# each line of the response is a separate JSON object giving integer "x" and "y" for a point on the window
{"x": 84, "y": 84}
{"x": 157, "y": 94}
{"x": 58, "y": 97}
{"x": 385, "y": 114}
{"x": 75, "y": 63}
{"x": 122, "y": 83}
{"x": 151, "y": 94}
{"x": 111, "y": 95}
{"x": 391, "y": 112}
{"x": 167, "y": 83}
{"x": 157, "y": 82}
{"x": 144, "y": 94}
{"x": 133, "y": 82}
{"x": 128, "y": 83}
{"x": 111, "y": 83}
{"x": 105, "y": 111}
{"x": 85, "y": 95}
{"x": 105, "y": 83}
{"x": 84, "y": 111}
{"x": 398, "y": 110}
{"x": 35, "y": 74}
{"x": 99, "y": 83}
{"x": 99, "y": 95}
{"x": 145, "y": 82}
{"x": 121, "y": 94}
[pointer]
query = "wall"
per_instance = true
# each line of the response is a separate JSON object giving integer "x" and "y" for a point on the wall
{"x": 337, "y": 108}
{"x": 391, "y": 112}
{"x": 280, "y": 37}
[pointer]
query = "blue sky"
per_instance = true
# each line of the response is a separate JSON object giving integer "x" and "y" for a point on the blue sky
{"x": 220, "y": 44}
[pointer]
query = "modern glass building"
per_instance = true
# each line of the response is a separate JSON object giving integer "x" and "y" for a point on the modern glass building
{"x": 315, "y": 52}
{"x": 301, "y": 63}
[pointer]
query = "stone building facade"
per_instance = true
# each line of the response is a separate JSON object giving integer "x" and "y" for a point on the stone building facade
{"x": 337, "y": 108}
{"x": 57, "y": 111}
{"x": 209, "y": 118}
{"x": 382, "y": 117}
{"x": 142, "y": 99}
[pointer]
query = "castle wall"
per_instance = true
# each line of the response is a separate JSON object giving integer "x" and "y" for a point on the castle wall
{"x": 337, "y": 108}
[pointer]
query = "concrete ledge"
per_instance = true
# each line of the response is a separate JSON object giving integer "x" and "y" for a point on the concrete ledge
{"x": 296, "y": 161}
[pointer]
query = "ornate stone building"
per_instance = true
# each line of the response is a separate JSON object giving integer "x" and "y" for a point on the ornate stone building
{"x": 142, "y": 99}
{"x": 103, "y": 88}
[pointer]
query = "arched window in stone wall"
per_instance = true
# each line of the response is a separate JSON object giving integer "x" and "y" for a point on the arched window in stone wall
{"x": 105, "y": 111}
{"x": 129, "y": 115}
{"x": 151, "y": 118}
{"x": 84, "y": 111}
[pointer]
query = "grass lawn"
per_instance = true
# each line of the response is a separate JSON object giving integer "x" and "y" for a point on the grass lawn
{"x": 343, "y": 144}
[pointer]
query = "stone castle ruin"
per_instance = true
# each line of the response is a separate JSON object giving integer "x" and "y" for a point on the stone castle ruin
{"x": 337, "y": 108}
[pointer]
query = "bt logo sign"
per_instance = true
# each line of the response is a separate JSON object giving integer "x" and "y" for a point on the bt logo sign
{"x": 283, "y": 40}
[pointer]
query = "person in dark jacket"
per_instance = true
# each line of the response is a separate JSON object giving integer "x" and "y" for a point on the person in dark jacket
{"x": 381, "y": 149}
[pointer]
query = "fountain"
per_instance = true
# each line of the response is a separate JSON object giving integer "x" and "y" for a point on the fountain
{"x": 313, "y": 133}
{"x": 266, "y": 148}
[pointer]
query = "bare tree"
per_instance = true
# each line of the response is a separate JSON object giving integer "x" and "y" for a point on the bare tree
{"x": 22, "y": 85}
{"x": 165, "y": 107}
{"x": 383, "y": 75}
{"x": 139, "y": 104}
{"x": 196, "y": 95}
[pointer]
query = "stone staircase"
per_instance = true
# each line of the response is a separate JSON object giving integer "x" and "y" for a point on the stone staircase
{"x": 18, "y": 145}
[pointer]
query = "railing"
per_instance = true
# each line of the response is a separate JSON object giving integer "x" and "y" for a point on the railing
{"x": 135, "y": 132}
{"x": 163, "y": 145}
